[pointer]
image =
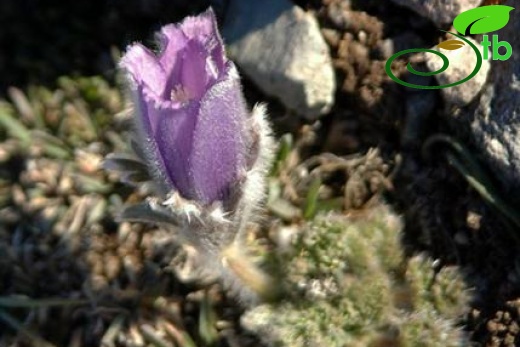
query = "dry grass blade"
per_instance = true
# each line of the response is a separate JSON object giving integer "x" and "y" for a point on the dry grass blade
{"x": 22, "y": 104}
{"x": 112, "y": 331}
{"x": 153, "y": 337}
{"x": 181, "y": 337}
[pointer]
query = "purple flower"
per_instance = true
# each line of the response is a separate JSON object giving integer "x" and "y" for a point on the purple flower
{"x": 190, "y": 110}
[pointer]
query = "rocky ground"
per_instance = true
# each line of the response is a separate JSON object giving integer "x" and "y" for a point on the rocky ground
{"x": 58, "y": 236}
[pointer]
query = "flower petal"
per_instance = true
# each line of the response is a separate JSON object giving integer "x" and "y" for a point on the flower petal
{"x": 166, "y": 135}
{"x": 146, "y": 119}
{"x": 192, "y": 54}
{"x": 204, "y": 29}
{"x": 144, "y": 68}
{"x": 172, "y": 42}
{"x": 174, "y": 138}
{"x": 218, "y": 157}
{"x": 194, "y": 77}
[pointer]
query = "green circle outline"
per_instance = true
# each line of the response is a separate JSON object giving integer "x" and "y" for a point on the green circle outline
{"x": 445, "y": 64}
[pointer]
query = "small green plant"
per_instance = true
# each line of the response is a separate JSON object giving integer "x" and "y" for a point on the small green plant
{"x": 348, "y": 283}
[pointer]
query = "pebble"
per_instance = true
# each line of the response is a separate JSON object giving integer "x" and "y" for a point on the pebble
{"x": 280, "y": 48}
{"x": 462, "y": 61}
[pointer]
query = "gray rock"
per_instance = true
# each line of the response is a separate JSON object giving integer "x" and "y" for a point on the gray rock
{"x": 280, "y": 47}
{"x": 493, "y": 124}
{"x": 462, "y": 62}
{"x": 440, "y": 12}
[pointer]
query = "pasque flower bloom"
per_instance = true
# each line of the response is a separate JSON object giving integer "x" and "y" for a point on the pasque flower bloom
{"x": 190, "y": 110}
{"x": 202, "y": 147}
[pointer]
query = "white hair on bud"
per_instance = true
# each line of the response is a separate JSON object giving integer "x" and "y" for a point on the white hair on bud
{"x": 255, "y": 179}
{"x": 182, "y": 206}
{"x": 218, "y": 215}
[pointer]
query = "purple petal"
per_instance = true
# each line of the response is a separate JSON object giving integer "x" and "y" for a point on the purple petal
{"x": 144, "y": 68}
{"x": 167, "y": 133}
{"x": 192, "y": 55}
{"x": 146, "y": 119}
{"x": 194, "y": 77}
{"x": 218, "y": 157}
{"x": 203, "y": 28}
{"x": 174, "y": 140}
{"x": 172, "y": 42}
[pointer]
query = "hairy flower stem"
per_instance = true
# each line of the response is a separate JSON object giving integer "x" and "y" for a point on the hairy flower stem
{"x": 250, "y": 275}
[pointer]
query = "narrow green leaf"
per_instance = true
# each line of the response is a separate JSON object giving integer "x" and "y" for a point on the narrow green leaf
{"x": 284, "y": 149}
{"x": 311, "y": 202}
{"x": 14, "y": 127}
{"x": 207, "y": 321}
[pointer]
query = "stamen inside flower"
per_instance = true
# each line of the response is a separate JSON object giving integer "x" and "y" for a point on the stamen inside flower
{"x": 180, "y": 94}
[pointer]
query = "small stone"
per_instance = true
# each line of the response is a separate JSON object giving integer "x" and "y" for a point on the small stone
{"x": 440, "y": 12}
{"x": 280, "y": 47}
{"x": 462, "y": 61}
{"x": 473, "y": 220}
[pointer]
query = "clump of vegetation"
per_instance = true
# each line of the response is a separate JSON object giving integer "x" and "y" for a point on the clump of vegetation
{"x": 350, "y": 284}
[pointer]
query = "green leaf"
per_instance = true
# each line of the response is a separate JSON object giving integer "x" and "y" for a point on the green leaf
{"x": 284, "y": 149}
{"x": 311, "y": 202}
{"x": 482, "y": 20}
{"x": 451, "y": 45}
{"x": 13, "y": 126}
{"x": 207, "y": 321}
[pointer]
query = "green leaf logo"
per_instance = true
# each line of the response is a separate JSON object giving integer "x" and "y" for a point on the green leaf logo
{"x": 482, "y": 20}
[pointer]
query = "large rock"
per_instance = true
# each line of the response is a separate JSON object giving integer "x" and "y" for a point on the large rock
{"x": 494, "y": 122}
{"x": 462, "y": 61}
{"x": 280, "y": 47}
{"x": 440, "y": 12}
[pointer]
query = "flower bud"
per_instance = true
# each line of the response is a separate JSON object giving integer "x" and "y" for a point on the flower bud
{"x": 191, "y": 114}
